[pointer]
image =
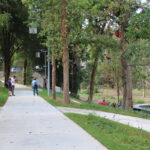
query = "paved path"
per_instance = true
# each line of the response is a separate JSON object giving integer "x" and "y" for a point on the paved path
{"x": 29, "y": 123}
{"x": 128, "y": 120}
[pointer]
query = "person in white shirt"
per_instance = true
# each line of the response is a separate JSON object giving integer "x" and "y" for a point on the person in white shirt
{"x": 35, "y": 86}
{"x": 13, "y": 80}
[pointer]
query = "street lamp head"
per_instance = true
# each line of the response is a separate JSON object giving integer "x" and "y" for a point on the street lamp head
{"x": 37, "y": 54}
{"x": 33, "y": 30}
{"x": 43, "y": 50}
{"x": 105, "y": 52}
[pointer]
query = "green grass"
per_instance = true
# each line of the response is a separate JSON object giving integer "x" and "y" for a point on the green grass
{"x": 3, "y": 95}
{"x": 92, "y": 106}
{"x": 114, "y": 136}
{"x": 44, "y": 95}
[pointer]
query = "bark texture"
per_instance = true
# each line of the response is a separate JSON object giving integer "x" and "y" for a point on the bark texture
{"x": 126, "y": 74}
{"x": 92, "y": 78}
{"x": 127, "y": 84}
{"x": 53, "y": 58}
{"x": 25, "y": 71}
{"x": 118, "y": 86}
{"x": 75, "y": 75}
{"x": 104, "y": 75}
{"x": 7, "y": 66}
{"x": 53, "y": 74}
{"x": 7, "y": 53}
{"x": 65, "y": 52}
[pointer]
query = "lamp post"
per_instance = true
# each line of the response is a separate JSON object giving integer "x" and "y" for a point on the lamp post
{"x": 45, "y": 66}
{"x": 49, "y": 72}
{"x": 49, "y": 79}
{"x": 33, "y": 30}
{"x": 45, "y": 74}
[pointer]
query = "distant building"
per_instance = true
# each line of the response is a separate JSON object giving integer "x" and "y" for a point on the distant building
{"x": 15, "y": 69}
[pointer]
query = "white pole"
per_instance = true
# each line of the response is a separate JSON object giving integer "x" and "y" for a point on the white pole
{"x": 45, "y": 66}
{"x": 49, "y": 71}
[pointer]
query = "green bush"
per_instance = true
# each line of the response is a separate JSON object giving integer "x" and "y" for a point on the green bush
{"x": 96, "y": 90}
{"x": 3, "y": 95}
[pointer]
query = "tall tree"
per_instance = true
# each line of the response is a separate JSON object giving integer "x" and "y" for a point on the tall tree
{"x": 12, "y": 29}
{"x": 65, "y": 51}
{"x": 122, "y": 10}
{"x": 97, "y": 24}
{"x": 122, "y": 13}
{"x": 76, "y": 42}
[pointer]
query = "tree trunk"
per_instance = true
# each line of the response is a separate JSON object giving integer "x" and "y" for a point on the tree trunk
{"x": 25, "y": 71}
{"x": 108, "y": 74}
{"x": 144, "y": 88}
{"x": 75, "y": 76}
{"x": 104, "y": 75}
{"x": 118, "y": 87}
{"x": 92, "y": 80}
{"x": 7, "y": 66}
{"x": 114, "y": 78}
{"x": 127, "y": 83}
{"x": 125, "y": 62}
{"x": 7, "y": 54}
{"x": 53, "y": 74}
{"x": 53, "y": 58}
{"x": 126, "y": 76}
{"x": 65, "y": 51}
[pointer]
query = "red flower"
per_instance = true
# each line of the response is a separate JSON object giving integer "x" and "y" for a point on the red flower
{"x": 118, "y": 33}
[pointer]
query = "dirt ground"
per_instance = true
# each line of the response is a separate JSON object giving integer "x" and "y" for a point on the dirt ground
{"x": 137, "y": 94}
{"x": 111, "y": 95}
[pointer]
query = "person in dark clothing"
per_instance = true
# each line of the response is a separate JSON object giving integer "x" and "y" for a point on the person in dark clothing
{"x": 10, "y": 87}
{"x": 119, "y": 103}
{"x": 114, "y": 104}
{"x": 35, "y": 86}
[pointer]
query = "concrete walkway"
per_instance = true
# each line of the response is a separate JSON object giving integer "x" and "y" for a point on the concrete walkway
{"x": 29, "y": 123}
{"x": 136, "y": 122}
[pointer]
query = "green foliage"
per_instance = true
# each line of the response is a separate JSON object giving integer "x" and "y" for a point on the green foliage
{"x": 96, "y": 90}
{"x": 139, "y": 54}
{"x": 12, "y": 27}
{"x": 91, "y": 25}
{"x": 46, "y": 17}
{"x": 139, "y": 25}
{"x": 13, "y": 31}
{"x": 3, "y": 94}
{"x": 4, "y": 19}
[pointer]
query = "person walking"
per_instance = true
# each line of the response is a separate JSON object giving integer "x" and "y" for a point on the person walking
{"x": 35, "y": 86}
{"x": 13, "y": 80}
{"x": 9, "y": 87}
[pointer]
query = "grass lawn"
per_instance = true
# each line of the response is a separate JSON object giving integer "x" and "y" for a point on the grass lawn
{"x": 59, "y": 100}
{"x": 3, "y": 95}
{"x": 91, "y": 106}
{"x": 114, "y": 136}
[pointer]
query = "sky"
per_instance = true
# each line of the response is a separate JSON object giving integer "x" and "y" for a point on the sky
{"x": 143, "y": 1}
